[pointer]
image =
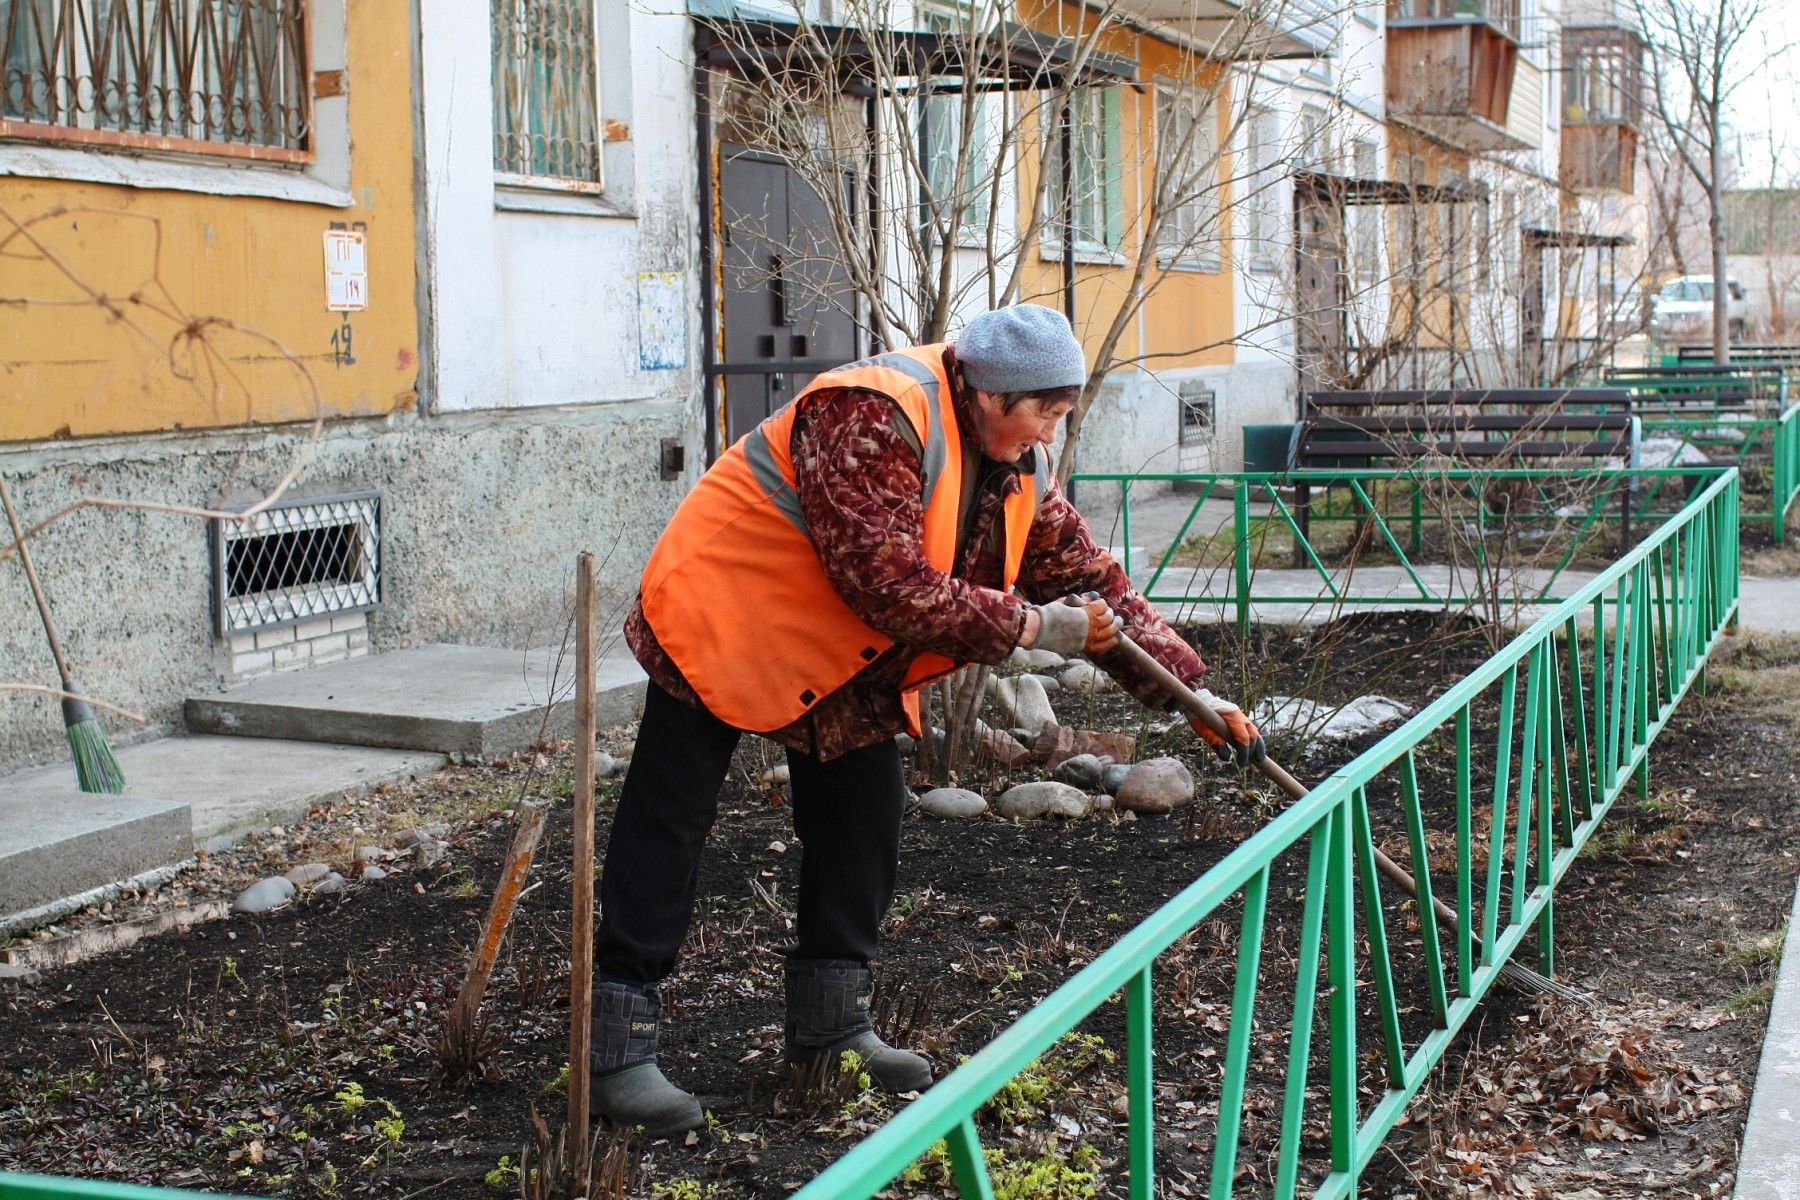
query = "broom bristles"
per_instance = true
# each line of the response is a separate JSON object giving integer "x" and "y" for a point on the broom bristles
{"x": 96, "y": 769}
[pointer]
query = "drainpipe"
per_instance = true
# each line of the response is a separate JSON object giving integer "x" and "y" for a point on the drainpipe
{"x": 1065, "y": 134}
{"x": 703, "y": 140}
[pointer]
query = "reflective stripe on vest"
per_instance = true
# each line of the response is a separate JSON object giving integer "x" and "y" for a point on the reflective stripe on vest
{"x": 734, "y": 590}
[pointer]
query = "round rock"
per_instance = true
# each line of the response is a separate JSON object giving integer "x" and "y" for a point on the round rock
{"x": 604, "y": 765}
{"x": 307, "y": 873}
{"x": 1044, "y": 660}
{"x": 952, "y": 804}
{"x": 330, "y": 885}
{"x": 1031, "y": 704}
{"x": 1050, "y": 683}
{"x": 1084, "y": 677}
{"x": 1113, "y": 777}
{"x": 1083, "y": 771}
{"x": 373, "y": 873}
{"x": 264, "y": 895}
{"x": 1157, "y": 785}
{"x": 1029, "y": 801}
{"x": 776, "y": 776}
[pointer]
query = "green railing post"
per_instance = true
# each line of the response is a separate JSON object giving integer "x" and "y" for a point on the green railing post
{"x": 1341, "y": 938}
{"x": 1140, "y": 1068}
{"x": 1240, "y": 529}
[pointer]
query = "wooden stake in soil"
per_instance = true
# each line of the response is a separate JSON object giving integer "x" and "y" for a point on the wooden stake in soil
{"x": 463, "y": 1045}
{"x": 581, "y": 938}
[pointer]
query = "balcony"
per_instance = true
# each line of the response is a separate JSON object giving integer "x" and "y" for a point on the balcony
{"x": 1249, "y": 31}
{"x": 1602, "y": 98}
{"x": 1450, "y": 69}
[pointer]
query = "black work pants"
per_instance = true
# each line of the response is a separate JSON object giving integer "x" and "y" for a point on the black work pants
{"x": 847, "y": 815}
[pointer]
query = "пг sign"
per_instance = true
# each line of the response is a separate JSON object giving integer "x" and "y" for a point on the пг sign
{"x": 346, "y": 271}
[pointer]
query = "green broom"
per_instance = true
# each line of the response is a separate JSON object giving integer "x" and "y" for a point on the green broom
{"x": 96, "y": 770}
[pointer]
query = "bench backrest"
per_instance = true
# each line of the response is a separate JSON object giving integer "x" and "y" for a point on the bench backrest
{"x": 1470, "y": 423}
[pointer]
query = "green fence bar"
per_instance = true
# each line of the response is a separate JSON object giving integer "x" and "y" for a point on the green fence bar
{"x": 1662, "y": 607}
{"x": 45, "y": 1187}
{"x": 1166, "y": 582}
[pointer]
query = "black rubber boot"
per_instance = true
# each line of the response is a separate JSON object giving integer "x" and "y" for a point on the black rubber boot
{"x": 828, "y": 1013}
{"x": 627, "y": 1087}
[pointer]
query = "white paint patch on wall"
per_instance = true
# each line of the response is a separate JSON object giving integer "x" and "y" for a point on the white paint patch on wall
{"x": 662, "y": 321}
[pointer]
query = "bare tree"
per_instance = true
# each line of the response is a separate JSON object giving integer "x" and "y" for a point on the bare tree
{"x": 1701, "y": 53}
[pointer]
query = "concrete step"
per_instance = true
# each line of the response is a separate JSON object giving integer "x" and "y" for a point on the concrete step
{"x": 57, "y": 842}
{"x": 470, "y": 701}
{"x": 234, "y": 787}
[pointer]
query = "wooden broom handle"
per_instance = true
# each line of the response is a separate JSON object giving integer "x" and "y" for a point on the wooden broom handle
{"x": 37, "y": 589}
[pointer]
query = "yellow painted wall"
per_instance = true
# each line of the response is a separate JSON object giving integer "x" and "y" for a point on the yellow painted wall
{"x": 1185, "y": 308}
{"x": 186, "y": 277}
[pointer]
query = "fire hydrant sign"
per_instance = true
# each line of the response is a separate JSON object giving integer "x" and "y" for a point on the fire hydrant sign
{"x": 346, "y": 271}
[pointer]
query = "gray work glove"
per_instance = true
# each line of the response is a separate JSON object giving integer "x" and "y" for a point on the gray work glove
{"x": 1072, "y": 626}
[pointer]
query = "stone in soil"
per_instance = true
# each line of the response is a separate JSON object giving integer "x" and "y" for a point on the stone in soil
{"x": 330, "y": 885}
{"x": 1050, "y": 682}
{"x": 369, "y": 854}
{"x": 1032, "y": 704}
{"x": 307, "y": 873}
{"x": 1082, "y": 676}
{"x": 423, "y": 833}
{"x": 1047, "y": 798}
{"x": 373, "y": 874}
{"x": 1044, "y": 660}
{"x": 428, "y": 853}
{"x": 1157, "y": 785}
{"x": 774, "y": 777}
{"x": 264, "y": 895}
{"x": 604, "y": 765}
{"x": 1113, "y": 777}
{"x": 1082, "y": 771}
{"x": 1003, "y": 747}
{"x": 952, "y": 804}
{"x": 1361, "y": 716}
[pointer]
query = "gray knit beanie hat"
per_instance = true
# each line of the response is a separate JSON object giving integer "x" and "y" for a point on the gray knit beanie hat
{"x": 1024, "y": 348}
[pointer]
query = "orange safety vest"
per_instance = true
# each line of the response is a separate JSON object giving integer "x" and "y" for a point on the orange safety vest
{"x": 735, "y": 592}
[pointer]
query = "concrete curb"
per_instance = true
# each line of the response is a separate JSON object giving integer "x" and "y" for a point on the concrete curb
{"x": 1769, "y": 1164}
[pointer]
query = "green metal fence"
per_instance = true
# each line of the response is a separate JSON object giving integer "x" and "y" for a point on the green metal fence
{"x": 45, "y": 1187}
{"x": 1542, "y": 739}
{"x": 1393, "y": 505}
{"x": 1746, "y": 442}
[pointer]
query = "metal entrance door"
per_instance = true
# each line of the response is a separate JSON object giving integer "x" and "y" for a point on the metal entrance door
{"x": 788, "y": 308}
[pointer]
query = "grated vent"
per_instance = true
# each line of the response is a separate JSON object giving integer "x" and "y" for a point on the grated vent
{"x": 295, "y": 562}
{"x": 1196, "y": 414}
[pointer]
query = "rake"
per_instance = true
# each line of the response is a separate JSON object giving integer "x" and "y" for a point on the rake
{"x": 1521, "y": 977}
{"x": 96, "y": 770}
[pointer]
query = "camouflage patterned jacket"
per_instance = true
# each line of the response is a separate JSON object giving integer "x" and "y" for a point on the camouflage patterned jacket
{"x": 858, "y": 476}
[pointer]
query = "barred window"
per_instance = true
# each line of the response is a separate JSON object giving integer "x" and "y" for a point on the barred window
{"x": 223, "y": 77}
{"x": 1097, "y": 212}
{"x": 547, "y": 93}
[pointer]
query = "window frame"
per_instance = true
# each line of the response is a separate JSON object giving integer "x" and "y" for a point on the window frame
{"x": 196, "y": 150}
{"x": 1205, "y": 251}
{"x": 1262, "y": 205}
{"x": 944, "y": 111}
{"x": 1107, "y": 186}
{"x": 530, "y": 182}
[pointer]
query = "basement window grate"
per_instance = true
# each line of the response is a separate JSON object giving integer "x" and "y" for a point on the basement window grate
{"x": 298, "y": 561}
{"x": 1197, "y": 415}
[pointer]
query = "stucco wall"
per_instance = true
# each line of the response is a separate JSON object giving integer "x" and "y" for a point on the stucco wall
{"x": 1132, "y": 426}
{"x": 483, "y": 516}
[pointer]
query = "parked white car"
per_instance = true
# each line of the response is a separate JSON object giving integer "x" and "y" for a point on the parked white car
{"x": 1682, "y": 309}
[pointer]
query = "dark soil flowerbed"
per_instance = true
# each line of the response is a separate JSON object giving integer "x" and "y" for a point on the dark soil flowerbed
{"x": 292, "y": 1054}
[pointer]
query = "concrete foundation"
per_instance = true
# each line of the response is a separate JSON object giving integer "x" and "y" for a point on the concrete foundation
{"x": 482, "y": 514}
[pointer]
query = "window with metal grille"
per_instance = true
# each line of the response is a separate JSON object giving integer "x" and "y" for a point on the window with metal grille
{"x": 547, "y": 93}
{"x": 221, "y": 77}
{"x": 299, "y": 561}
{"x": 1196, "y": 415}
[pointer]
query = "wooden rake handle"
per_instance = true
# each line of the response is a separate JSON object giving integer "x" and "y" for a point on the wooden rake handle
{"x": 1272, "y": 770}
